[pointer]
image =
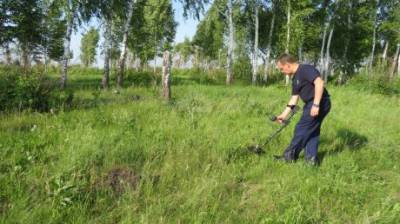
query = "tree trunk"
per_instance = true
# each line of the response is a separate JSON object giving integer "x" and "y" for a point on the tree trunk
{"x": 395, "y": 60}
{"x": 25, "y": 57}
{"x": 229, "y": 69}
{"x": 196, "y": 57}
{"x": 301, "y": 51}
{"x": 328, "y": 57}
{"x": 219, "y": 58}
{"x": 343, "y": 73}
{"x": 155, "y": 52}
{"x": 288, "y": 27}
{"x": 255, "y": 53}
{"x": 67, "y": 43}
{"x": 267, "y": 57}
{"x": 8, "y": 54}
{"x": 322, "y": 53}
{"x": 45, "y": 58}
{"x": 384, "y": 54}
{"x": 155, "y": 64}
{"x": 122, "y": 57}
{"x": 288, "y": 36}
{"x": 166, "y": 75}
{"x": 371, "y": 61}
{"x": 398, "y": 65}
{"x": 107, "y": 55}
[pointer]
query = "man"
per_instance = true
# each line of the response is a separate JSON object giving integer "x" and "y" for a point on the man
{"x": 308, "y": 85}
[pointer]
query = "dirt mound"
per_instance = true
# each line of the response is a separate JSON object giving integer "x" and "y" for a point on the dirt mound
{"x": 121, "y": 178}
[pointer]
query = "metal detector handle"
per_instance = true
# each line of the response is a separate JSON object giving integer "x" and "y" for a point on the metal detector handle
{"x": 287, "y": 121}
{"x": 274, "y": 118}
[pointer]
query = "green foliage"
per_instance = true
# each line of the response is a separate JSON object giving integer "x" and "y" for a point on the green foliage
{"x": 89, "y": 44}
{"x": 209, "y": 33}
{"x": 197, "y": 76}
{"x": 376, "y": 83}
{"x": 26, "y": 17}
{"x": 193, "y": 7}
{"x": 153, "y": 29}
{"x": 242, "y": 68}
{"x": 390, "y": 29}
{"x": 184, "y": 49}
{"x": 21, "y": 90}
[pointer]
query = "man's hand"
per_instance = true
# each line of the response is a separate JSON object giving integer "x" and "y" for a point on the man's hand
{"x": 280, "y": 118}
{"x": 314, "y": 111}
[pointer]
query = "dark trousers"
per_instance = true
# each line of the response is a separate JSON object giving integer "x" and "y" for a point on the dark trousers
{"x": 306, "y": 133}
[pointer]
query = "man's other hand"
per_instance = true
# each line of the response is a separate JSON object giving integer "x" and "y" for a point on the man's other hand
{"x": 314, "y": 111}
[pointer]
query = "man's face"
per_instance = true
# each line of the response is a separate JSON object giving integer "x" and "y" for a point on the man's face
{"x": 285, "y": 68}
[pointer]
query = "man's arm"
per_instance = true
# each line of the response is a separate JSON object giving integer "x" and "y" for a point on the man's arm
{"x": 292, "y": 102}
{"x": 319, "y": 90}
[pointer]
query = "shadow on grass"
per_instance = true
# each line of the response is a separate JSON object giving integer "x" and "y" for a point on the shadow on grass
{"x": 344, "y": 139}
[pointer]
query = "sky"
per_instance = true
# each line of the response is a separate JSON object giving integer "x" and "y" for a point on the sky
{"x": 185, "y": 28}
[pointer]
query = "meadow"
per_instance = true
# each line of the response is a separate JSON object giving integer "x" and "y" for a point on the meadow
{"x": 127, "y": 156}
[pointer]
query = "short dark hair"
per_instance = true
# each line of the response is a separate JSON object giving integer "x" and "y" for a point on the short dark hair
{"x": 286, "y": 58}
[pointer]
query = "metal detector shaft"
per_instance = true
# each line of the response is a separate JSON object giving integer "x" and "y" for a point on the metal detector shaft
{"x": 285, "y": 123}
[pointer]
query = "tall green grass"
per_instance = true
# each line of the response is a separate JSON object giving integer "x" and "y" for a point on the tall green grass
{"x": 56, "y": 168}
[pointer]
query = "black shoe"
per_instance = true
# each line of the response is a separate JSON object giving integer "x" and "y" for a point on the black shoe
{"x": 312, "y": 161}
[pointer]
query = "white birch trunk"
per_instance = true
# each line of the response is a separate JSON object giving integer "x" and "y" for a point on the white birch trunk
{"x": 398, "y": 62}
{"x": 288, "y": 36}
{"x": 384, "y": 54}
{"x": 395, "y": 60}
{"x": 255, "y": 53}
{"x": 371, "y": 61}
{"x": 288, "y": 27}
{"x": 322, "y": 53}
{"x": 155, "y": 64}
{"x": 328, "y": 57}
{"x": 45, "y": 58}
{"x": 107, "y": 54}
{"x": 219, "y": 58}
{"x": 166, "y": 75}
{"x": 268, "y": 53}
{"x": 155, "y": 53}
{"x": 229, "y": 69}
{"x": 67, "y": 43}
{"x": 122, "y": 58}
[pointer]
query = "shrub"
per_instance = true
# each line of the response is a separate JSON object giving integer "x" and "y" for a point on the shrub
{"x": 22, "y": 89}
{"x": 376, "y": 83}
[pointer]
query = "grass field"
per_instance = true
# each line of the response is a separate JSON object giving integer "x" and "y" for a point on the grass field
{"x": 128, "y": 157}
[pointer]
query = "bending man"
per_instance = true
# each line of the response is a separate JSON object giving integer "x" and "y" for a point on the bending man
{"x": 308, "y": 85}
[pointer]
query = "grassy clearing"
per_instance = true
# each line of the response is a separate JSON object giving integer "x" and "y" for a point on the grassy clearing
{"x": 128, "y": 157}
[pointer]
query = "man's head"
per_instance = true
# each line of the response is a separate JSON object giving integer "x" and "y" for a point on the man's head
{"x": 287, "y": 64}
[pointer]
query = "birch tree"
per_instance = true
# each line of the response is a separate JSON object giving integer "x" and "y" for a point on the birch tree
{"x": 269, "y": 45}
{"x": 231, "y": 44}
{"x": 122, "y": 57}
{"x": 89, "y": 44}
{"x": 255, "y": 49}
{"x": 75, "y": 12}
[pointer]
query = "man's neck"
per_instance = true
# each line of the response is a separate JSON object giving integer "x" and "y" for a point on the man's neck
{"x": 295, "y": 67}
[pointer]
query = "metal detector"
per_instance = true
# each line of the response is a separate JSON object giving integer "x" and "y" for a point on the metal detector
{"x": 258, "y": 148}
